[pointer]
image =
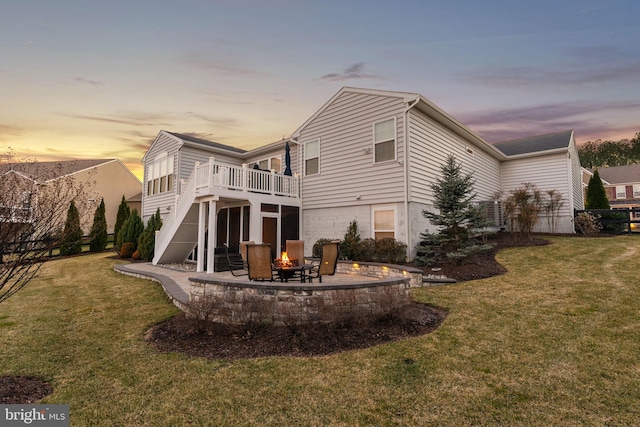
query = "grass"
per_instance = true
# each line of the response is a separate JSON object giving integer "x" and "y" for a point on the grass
{"x": 556, "y": 341}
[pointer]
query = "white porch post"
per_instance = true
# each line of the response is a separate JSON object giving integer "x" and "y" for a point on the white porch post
{"x": 202, "y": 228}
{"x": 255, "y": 227}
{"x": 213, "y": 208}
{"x": 210, "y": 180}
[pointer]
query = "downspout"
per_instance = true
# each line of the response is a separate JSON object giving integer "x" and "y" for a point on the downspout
{"x": 406, "y": 174}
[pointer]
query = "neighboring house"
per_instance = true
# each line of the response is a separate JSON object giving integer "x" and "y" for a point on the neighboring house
{"x": 366, "y": 155}
{"x": 622, "y": 185}
{"x": 107, "y": 179}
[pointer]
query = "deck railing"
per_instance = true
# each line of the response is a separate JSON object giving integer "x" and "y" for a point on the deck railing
{"x": 243, "y": 178}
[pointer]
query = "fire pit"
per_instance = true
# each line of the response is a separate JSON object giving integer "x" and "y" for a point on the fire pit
{"x": 284, "y": 261}
{"x": 288, "y": 268}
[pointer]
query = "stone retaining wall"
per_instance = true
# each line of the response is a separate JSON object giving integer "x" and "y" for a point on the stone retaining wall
{"x": 285, "y": 304}
{"x": 374, "y": 269}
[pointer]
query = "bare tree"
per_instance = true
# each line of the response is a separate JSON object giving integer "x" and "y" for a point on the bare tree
{"x": 33, "y": 203}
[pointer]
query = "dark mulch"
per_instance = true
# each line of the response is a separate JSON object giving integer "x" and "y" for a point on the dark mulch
{"x": 485, "y": 265}
{"x": 220, "y": 341}
{"x": 225, "y": 342}
{"x": 14, "y": 389}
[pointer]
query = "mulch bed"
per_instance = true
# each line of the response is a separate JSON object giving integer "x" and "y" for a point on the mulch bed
{"x": 15, "y": 390}
{"x": 179, "y": 334}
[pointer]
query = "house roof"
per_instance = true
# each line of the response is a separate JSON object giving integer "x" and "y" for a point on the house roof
{"x": 200, "y": 141}
{"x": 620, "y": 174}
{"x": 536, "y": 144}
{"x": 45, "y": 171}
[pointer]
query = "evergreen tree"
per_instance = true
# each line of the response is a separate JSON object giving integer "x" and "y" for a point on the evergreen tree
{"x": 71, "y": 242}
{"x": 121, "y": 217}
{"x": 131, "y": 229}
{"x": 98, "y": 233}
{"x": 457, "y": 216}
{"x": 350, "y": 243}
{"x": 147, "y": 240}
{"x": 596, "y": 194}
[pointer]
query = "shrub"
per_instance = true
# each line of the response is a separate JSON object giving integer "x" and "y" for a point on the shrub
{"x": 390, "y": 251}
{"x": 127, "y": 249}
{"x": 587, "y": 224}
{"x": 522, "y": 208}
{"x": 121, "y": 218}
{"x": 350, "y": 244}
{"x": 71, "y": 242}
{"x": 147, "y": 240}
{"x": 596, "y": 197}
{"x": 367, "y": 250}
{"x": 98, "y": 233}
{"x": 131, "y": 230}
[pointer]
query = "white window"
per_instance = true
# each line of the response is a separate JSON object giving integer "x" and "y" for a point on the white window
{"x": 636, "y": 191}
{"x": 160, "y": 175}
{"x": 384, "y": 140}
{"x": 312, "y": 158}
{"x": 272, "y": 163}
{"x": 621, "y": 192}
{"x": 384, "y": 222}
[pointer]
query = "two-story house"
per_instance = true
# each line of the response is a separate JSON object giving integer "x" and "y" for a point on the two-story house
{"x": 101, "y": 179}
{"x": 365, "y": 155}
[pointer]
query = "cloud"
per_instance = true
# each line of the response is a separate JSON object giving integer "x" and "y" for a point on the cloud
{"x": 581, "y": 66}
{"x": 87, "y": 81}
{"x": 221, "y": 122}
{"x": 355, "y": 71}
{"x": 588, "y": 120}
{"x": 132, "y": 119}
{"x": 8, "y": 131}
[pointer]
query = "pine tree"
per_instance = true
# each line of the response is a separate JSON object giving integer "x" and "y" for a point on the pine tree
{"x": 457, "y": 216}
{"x": 596, "y": 194}
{"x": 351, "y": 242}
{"x": 121, "y": 217}
{"x": 147, "y": 240}
{"x": 98, "y": 233}
{"x": 71, "y": 242}
{"x": 131, "y": 229}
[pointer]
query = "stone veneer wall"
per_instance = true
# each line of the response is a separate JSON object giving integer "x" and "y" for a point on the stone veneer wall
{"x": 373, "y": 269}
{"x": 285, "y": 303}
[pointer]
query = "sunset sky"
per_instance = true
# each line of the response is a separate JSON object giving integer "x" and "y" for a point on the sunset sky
{"x": 99, "y": 79}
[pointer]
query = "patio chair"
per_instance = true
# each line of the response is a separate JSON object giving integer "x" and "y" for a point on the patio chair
{"x": 328, "y": 262}
{"x": 295, "y": 250}
{"x": 237, "y": 267}
{"x": 259, "y": 262}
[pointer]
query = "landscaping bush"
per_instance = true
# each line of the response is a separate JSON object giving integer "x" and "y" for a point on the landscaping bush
{"x": 121, "y": 218}
{"x": 127, "y": 249}
{"x": 147, "y": 240}
{"x": 99, "y": 237}
{"x": 71, "y": 242}
{"x": 390, "y": 251}
{"x": 367, "y": 250}
{"x": 350, "y": 244}
{"x": 131, "y": 230}
{"x": 587, "y": 224}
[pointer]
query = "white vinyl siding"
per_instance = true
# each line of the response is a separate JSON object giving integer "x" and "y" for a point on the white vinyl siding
{"x": 431, "y": 144}
{"x": 384, "y": 140}
{"x": 547, "y": 173}
{"x": 621, "y": 192}
{"x": 344, "y": 129}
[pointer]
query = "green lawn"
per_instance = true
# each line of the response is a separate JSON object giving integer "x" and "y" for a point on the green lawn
{"x": 556, "y": 341}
